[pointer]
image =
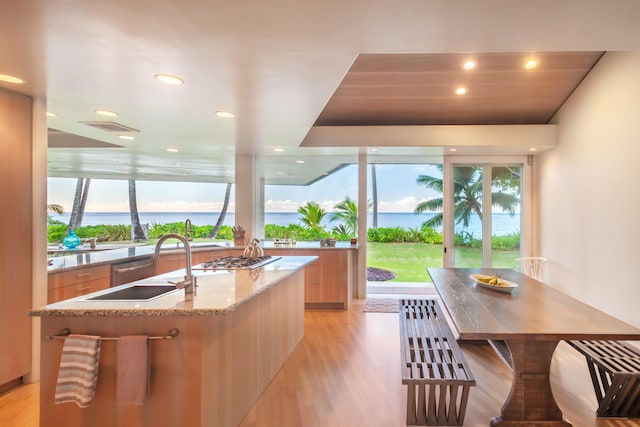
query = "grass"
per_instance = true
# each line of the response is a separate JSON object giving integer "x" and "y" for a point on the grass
{"x": 409, "y": 261}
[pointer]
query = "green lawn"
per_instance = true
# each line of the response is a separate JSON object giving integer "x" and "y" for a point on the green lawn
{"x": 410, "y": 260}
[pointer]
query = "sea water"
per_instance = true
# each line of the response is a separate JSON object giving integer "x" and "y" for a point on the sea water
{"x": 502, "y": 223}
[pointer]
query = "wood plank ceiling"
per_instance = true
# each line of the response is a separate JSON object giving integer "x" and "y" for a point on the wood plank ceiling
{"x": 420, "y": 89}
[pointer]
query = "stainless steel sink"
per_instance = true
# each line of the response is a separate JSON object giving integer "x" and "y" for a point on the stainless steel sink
{"x": 135, "y": 293}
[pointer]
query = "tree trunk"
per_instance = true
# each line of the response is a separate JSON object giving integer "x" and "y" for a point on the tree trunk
{"x": 225, "y": 206}
{"x": 374, "y": 195}
{"x": 83, "y": 201}
{"x": 137, "y": 233}
{"x": 73, "y": 218}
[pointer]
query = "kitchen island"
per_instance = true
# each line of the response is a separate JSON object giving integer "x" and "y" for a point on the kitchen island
{"x": 234, "y": 334}
{"x": 330, "y": 283}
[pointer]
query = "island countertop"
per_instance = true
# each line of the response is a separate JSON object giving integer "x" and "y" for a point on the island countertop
{"x": 217, "y": 292}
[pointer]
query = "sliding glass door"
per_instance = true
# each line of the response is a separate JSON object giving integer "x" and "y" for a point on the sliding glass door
{"x": 483, "y": 213}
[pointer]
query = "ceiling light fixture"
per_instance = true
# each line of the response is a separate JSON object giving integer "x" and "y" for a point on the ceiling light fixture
{"x": 469, "y": 65}
{"x": 127, "y": 137}
{"x": 453, "y": 149}
{"x": 224, "y": 114}
{"x": 169, "y": 79}
{"x": 533, "y": 149}
{"x": 10, "y": 79}
{"x": 278, "y": 150}
{"x": 107, "y": 113}
{"x": 300, "y": 161}
{"x": 172, "y": 150}
{"x": 461, "y": 90}
{"x": 531, "y": 63}
{"x": 51, "y": 114}
{"x": 375, "y": 150}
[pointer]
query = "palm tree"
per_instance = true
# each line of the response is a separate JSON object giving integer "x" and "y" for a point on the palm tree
{"x": 223, "y": 213}
{"x": 312, "y": 215}
{"x": 467, "y": 196}
{"x": 347, "y": 211}
{"x": 54, "y": 208}
{"x": 79, "y": 203}
{"x": 374, "y": 195}
{"x": 137, "y": 233}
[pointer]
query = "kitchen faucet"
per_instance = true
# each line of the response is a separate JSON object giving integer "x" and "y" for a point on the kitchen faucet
{"x": 189, "y": 282}
{"x": 187, "y": 229}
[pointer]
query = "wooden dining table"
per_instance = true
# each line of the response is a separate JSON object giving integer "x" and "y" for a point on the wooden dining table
{"x": 531, "y": 321}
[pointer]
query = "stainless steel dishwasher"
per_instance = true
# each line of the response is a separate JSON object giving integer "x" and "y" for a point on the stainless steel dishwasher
{"x": 130, "y": 271}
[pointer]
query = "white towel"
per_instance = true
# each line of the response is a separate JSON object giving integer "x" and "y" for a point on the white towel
{"x": 78, "y": 372}
{"x": 133, "y": 369}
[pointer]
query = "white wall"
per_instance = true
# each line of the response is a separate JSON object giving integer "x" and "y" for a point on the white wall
{"x": 588, "y": 191}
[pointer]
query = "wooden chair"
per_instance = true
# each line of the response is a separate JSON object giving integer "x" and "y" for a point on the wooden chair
{"x": 533, "y": 266}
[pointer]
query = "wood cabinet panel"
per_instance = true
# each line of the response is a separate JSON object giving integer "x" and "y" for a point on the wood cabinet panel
{"x": 328, "y": 280}
{"x": 16, "y": 248}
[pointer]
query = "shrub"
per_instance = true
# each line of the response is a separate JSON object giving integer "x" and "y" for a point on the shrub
{"x": 57, "y": 230}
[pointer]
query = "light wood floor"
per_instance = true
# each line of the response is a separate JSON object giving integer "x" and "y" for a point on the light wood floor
{"x": 346, "y": 372}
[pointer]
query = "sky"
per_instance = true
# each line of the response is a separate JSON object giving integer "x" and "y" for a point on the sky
{"x": 397, "y": 192}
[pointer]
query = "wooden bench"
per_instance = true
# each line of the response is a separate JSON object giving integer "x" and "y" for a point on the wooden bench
{"x": 615, "y": 372}
{"x": 437, "y": 376}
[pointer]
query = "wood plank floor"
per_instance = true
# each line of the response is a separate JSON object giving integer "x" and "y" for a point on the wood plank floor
{"x": 346, "y": 372}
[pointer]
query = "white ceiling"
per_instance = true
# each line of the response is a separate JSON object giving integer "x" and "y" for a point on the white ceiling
{"x": 275, "y": 64}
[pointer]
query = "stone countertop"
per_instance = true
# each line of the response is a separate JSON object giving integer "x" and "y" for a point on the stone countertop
{"x": 270, "y": 244}
{"x": 133, "y": 253}
{"x": 217, "y": 292}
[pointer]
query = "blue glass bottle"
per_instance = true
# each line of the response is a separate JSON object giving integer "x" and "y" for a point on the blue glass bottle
{"x": 71, "y": 241}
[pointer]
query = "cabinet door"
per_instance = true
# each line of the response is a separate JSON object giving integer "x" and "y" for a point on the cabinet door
{"x": 16, "y": 250}
{"x": 334, "y": 276}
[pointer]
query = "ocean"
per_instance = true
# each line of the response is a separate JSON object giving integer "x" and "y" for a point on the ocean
{"x": 502, "y": 223}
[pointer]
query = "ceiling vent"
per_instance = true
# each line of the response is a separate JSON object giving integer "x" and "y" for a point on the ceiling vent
{"x": 110, "y": 126}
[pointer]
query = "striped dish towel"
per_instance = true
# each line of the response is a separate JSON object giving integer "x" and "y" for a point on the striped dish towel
{"x": 78, "y": 370}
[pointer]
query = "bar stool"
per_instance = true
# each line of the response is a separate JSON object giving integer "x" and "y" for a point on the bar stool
{"x": 533, "y": 266}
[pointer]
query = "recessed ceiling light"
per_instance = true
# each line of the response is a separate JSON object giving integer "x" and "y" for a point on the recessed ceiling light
{"x": 531, "y": 63}
{"x": 10, "y": 79}
{"x": 453, "y": 149}
{"x": 469, "y": 65}
{"x": 299, "y": 161}
{"x": 51, "y": 114}
{"x": 169, "y": 79}
{"x": 172, "y": 150}
{"x": 533, "y": 149}
{"x": 461, "y": 90}
{"x": 225, "y": 114}
{"x": 374, "y": 150}
{"x": 279, "y": 150}
{"x": 107, "y": 113}
{"x": 127, "y": 137}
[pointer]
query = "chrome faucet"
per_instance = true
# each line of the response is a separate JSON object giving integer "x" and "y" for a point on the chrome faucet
{"x": 187, "y": 229}
{"x": 189, "y": 282}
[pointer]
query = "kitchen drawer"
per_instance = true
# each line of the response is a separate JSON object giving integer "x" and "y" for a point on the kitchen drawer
{"x": 80, "y": 281}
{"x": 77, "y": 289}
{"x": 78, "y": 275}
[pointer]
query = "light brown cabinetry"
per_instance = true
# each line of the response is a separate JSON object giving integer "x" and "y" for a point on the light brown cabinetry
{"x": 209, "y": 375}
{"x": 16, "y": 249}
{"x": 78, "y": 282}
{"x": 328, "y": 280}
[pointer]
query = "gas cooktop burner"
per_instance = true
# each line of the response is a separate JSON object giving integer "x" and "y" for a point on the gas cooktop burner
{"x": 235, "y": 263}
